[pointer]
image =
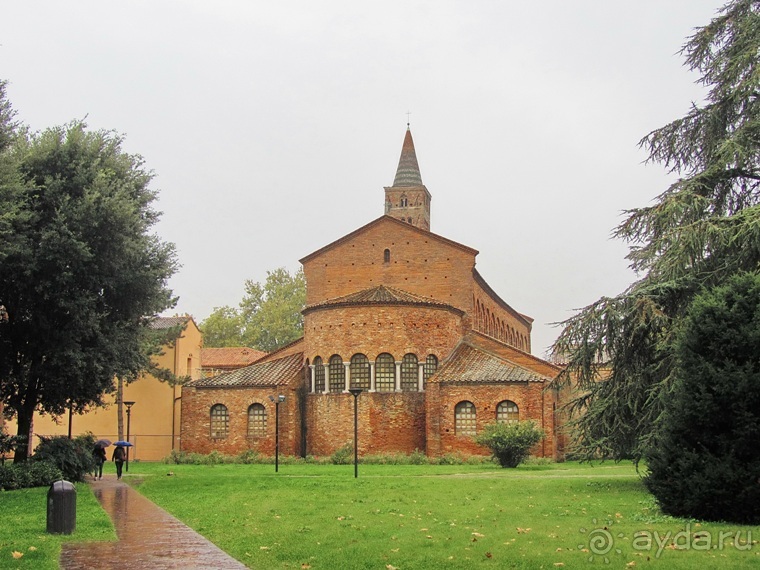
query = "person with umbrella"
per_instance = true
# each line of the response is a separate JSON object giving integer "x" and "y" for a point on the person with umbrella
{"x": 118, "y": 457}
{"x": 99, "y": 454}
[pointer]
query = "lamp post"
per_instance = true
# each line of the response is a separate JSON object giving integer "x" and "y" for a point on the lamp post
{"x": 129, "y": 418}
{"x": 280, "y": 399}
{"x": 355, "y": 393}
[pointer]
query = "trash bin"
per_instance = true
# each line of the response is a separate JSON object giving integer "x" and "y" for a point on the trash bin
{"x": 61, "y": 508}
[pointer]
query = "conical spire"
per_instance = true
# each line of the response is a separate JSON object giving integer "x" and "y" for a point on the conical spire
{"x": 408, "y": 172}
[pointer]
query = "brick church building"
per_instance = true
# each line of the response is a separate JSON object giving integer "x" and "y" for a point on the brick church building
{"x": 403, "y": 314}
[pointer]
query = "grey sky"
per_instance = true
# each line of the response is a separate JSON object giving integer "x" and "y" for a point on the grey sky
{"x": 272, "y": 127}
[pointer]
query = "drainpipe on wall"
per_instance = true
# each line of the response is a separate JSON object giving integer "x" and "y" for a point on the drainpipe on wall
{"x": 174, "y": 387}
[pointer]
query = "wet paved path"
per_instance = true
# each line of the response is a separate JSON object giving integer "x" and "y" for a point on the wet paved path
{"x": 149, "y": 537}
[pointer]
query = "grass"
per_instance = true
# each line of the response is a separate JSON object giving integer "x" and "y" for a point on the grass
{"x": 402, "y": 517}
{"x": 419, "y": 517}
{"x": 24, "y": 522}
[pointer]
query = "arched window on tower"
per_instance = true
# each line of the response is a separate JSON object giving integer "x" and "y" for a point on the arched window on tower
{"x": 360, "y": 371}
{"x": 385, "y": 373}
{"x": 464, "y": 418}
{"x": 429, "y": 368}
{"x": 404, "y": 201}
{"x": 409, "y": 373}
{"x": 507, "y": 412}
{"x": 337, "y": 374}
{"x": 387, "y": 256}
{"x": 257, "y": 420}
{"x": 220, "y": 421}
{"x": 319, "y": 375}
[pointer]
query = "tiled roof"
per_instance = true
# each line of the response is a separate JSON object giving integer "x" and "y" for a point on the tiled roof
{"x": 408, "y": 172}
{"x": 275, "y": 373}
{"x": 168, "y": 322}
{"x": 381, "y": 295}
{"x": 229, "y": 356}
{"x": 470, "y": 364}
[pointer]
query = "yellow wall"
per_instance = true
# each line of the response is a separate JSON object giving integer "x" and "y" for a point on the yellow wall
{"x": 155, "y": 417}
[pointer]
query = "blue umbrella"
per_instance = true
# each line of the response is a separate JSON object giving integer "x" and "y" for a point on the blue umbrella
{"x": 123, "y": 443}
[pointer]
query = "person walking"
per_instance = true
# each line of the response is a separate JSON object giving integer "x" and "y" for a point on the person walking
{"x": 118, "y": 458}
{"x": 99, "y": 453}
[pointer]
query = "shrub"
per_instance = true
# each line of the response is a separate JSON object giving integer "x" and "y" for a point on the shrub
{"x": 510, "y": 443}
{"x": 28, "y": 474}
{"x": 344, "y": 455}
{"x": 249, "y": 456}
{"x": 705, "y": 463}
{"x": 72, "y": 456}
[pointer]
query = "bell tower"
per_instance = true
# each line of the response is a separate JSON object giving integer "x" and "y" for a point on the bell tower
{"x": 408, "y": 200}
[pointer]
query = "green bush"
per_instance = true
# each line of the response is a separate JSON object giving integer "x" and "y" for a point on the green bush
{"x": 344, "y": 455}
{"x": 705, "y": 463}
{"x": 28, "y": 474}
{"x": 510, "y": 443}
{"x": 72, "y": 456}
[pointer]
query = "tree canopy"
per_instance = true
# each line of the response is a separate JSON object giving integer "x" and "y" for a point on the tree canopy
{"x": 704, "y": 228}
{"x": 706, "y": 463}
{"x": 267, "y": 318}
{"x": 81, "y": 271}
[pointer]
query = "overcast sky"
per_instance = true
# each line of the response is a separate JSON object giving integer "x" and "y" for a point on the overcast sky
{"x": 272, "y": 127}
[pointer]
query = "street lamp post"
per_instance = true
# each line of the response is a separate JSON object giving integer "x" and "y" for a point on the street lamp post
{"x": 355, "y": 393}
{"x": 280, "y": 399}
{"x": 129, "y": 418}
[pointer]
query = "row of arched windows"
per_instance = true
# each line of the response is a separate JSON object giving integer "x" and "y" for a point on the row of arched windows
{"x": 465, "y": 416}
{"x": 488, "y": 323}
{"x": 220, "y": 421}
{"x": 385, "y": 374}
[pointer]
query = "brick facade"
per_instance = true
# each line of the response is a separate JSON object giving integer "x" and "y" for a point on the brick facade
{"x": 390, "y": 287}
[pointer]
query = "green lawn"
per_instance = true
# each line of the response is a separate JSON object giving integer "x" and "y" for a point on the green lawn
{"x": 404, "y": 517}
{"x": 319, "y": 516}
{"x": 23, "y": 522}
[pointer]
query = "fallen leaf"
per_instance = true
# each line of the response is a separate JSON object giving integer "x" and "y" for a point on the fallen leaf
{"x": 305, "y": 566}
{"x": 17, "y": 554}
{"x": 559, "y": 563}
{"x": 488, "y": 555}
{"x": 32, "y": 548}
{"x": 478, "y": 534}
{"x": 263, "y": 548}
{"x": 394, "y": 549}
{"x": 390, "y": 567}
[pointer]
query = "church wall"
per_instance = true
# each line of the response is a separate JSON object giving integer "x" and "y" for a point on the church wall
{"x": 388, "y": 423}
{"x": 196, "y": 420}
{"x": 419, "y": 264}
{"x": 533, "y": 404}
{"x": 372, "y": 330}
{"x": 492, "y": 319}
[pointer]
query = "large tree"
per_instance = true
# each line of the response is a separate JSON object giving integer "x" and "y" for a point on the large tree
{"x": 701, "y": 230}
{"x": 81, "y": 272}
{"x": 268, "y": 317}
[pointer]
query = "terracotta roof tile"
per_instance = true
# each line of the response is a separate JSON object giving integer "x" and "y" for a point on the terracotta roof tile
{"x": 228, "y": 356}
{"x": 470, "y": 364}
{"x": 275, "y": 373}
{"x": 381, "y": 295}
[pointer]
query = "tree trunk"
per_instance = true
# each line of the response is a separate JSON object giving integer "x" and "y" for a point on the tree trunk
{"x": 24, "y": 419}
{"x": 120, "y": 408}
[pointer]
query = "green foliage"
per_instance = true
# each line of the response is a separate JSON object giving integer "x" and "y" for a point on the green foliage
{"x": 706, "y": 461}
{"x": 344, "y": 455}
{"x": 510, "y": 443}
{"x": 82, "y": 272}
{"x": 72, "y": 456}
{"x": 28, "y": 474}
{"x": 704, "y": 228}
{"x": 268, "y": 317}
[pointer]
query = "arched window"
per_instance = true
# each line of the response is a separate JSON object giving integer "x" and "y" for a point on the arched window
{"x": 409, "y": 373}
{"x": 404, "y": 201}
{"x": 387, "y": 256}
{"x": 464, "y": 418}
{"x": 319, "y": 375}
{"x": 429, "y": 368}
{"x": 257, "y": 420}
{"x": 385, "y": 373}
{"x": 507, "y": 412}
{"x": 360, "y": 371}
{"x": 337, "y": 374}
{"x": 220, "y": 421}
